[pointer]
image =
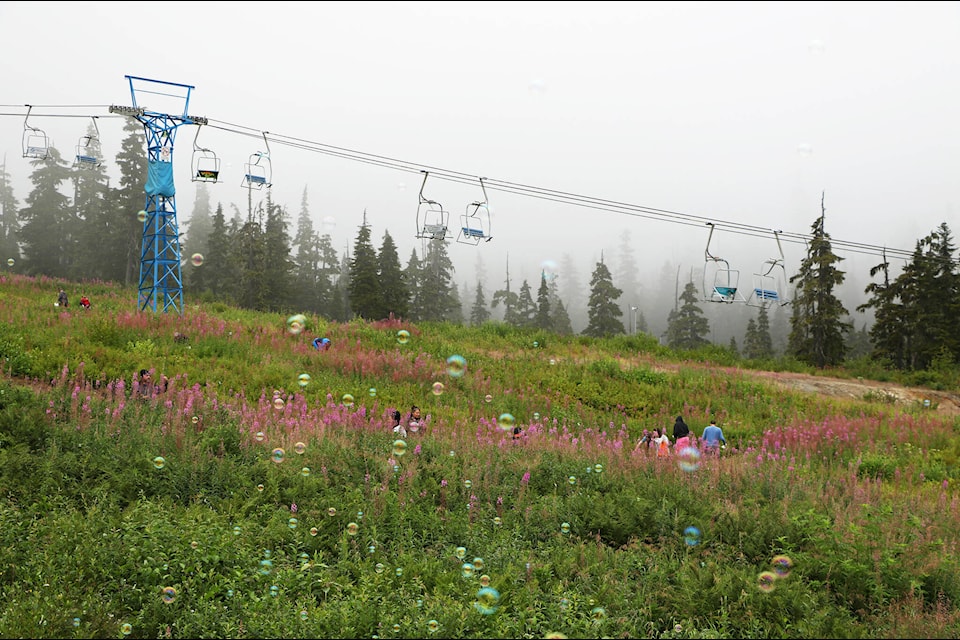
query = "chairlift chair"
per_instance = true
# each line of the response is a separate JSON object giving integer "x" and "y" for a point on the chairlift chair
{"x": 720, "y": 282}
{"x": 769, "y": 284}
{"x": 206, "y": 164}
{"x": 35, "y": 141}
{"x": 257, "y": 171}
{"x": 88, "y": 149}
{"x": 432, "y": 220}
{"x": 475, "y": 222}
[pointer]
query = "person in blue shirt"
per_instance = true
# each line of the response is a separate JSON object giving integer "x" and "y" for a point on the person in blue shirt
{"x": 712, "y": 437}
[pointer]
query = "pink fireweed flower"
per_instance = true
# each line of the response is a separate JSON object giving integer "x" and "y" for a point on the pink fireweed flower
{"x": 526, "y": 478}
{"x": 293, "y": 507}
{"x": 443, "y": 483}
{"x": 416, "y": 450}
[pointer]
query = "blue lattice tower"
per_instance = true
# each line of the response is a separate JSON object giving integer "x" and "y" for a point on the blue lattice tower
{"x": 161, "y": 283}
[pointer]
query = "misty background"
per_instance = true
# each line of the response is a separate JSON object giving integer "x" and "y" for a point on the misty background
{"x": 735, "y": 112}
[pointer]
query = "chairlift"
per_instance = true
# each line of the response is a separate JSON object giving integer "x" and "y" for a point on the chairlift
{"x": 35, "y": 142}
{"x": 475, "y": 223}
{"x": 206, "y": 164}
{"x": 432, "y": 220}
{"x": 257, "y": 171}
{"x": 720, "y": 282}
{"x": 769, "y": 284}
{"x": 88, "y": 149}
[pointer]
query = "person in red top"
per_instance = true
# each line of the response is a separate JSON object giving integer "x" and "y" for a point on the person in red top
{"x": 85, "y": 301}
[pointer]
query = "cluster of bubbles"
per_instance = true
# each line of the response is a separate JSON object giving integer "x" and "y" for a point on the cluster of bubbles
{"x": 159, "y": 462}
{"x": 399, "y": 448}
{"x": 403, "y": 336}
{"x": 691, "y": 535}
{"x": 506, "y": 421}
{"x": 300, "y": 448}
{"x": 303, "y": 379}
{"x": 278, "y": 455}
{"x": 437, "y": 388}
{"x": 10, "y": 262}
{"x": 782, "y": 565}
{"x": 168, "y": 594}
{"x": 347, "y": 399}
{"x": 196, "y": 259}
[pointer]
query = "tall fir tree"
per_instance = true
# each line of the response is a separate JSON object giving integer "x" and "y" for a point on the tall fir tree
{"x": 757, "y": 343}
{"x": 437, "y": 283}
{"x": 544, "y": 316}
{"x": 509, "y": 299}
{"x": 94, "y": 215}
{"x": 817, "y": 326}
{"x": 366, "y": 299}
{"x": 602, "y": 309}
{"x": 9, "y": 224}
{"x": 526, "y": 308}
{"x": 48, "y": 221}
{"x": 479, "y": 313}
{"x": 278, "y": 265}
{"x": 126, "y": 234}
{"x": 687, "y": 327}
{"x": 198, "y": 232}
{"x": 305, "y": 295}
{"x": 393, "y": 281}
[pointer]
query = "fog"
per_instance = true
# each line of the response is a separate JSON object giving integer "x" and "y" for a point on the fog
{"x": 738, "y": 113}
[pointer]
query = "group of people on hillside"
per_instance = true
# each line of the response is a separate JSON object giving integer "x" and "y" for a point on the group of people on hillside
{"x": 711, "y": 441}
{"x": 64, "y": 301}
{"x": 414, "y": 422}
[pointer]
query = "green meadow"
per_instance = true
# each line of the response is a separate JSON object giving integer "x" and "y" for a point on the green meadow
{"x": 263, "y": 494}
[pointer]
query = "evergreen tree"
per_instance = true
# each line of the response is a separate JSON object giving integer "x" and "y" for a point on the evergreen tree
{"x": 278, "y": 267}
{"x": 479, "y": 312}
{"x": 48, "y": 222}
{"x": 757, "y": 343}
{"x": 686, "y": 324}
{"x": 249, "y": 253}
{"x": 9, "y": 224}
{"x": 603, "y": 310}
{"x": 306, "y": 295}
{"x": 560, "y": 320}
{"x": 366, "y": 299}
{"x": 626, "y": 275}
{"x": 443, "y": 303}
{"x": 94, "y": 215}
{"x": 218, "y": 265}
{"x": 393, "y": 285}
{"x": 330, "y": 302}
{"x": 544, "y": 318}
{"x": 509, "y": 299}
{"x": 126, "y": 233}
{"x": 413, "y": 274}
{"x": 572, "y": 290}
{"x": 915, "y": 324}
{"x": 198, "y": 232}
{"x": 734, "y": 349}
{"x": 526, "y": 309}
{"x": 817, "y": 329}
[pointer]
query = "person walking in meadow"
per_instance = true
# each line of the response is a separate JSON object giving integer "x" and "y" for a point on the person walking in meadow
{"x": 398, "y": 429}
{"x": 680, "y": 428}
{"x": 712, "y": 437}
{"x": 62, "y": 299}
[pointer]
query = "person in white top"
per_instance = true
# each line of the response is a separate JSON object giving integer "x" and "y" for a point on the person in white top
{"x": 398, "y": 428}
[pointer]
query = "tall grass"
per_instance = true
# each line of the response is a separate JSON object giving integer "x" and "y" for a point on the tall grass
{"x": 344, "y": 533}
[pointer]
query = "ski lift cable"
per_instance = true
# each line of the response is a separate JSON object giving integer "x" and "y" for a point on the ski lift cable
{"x": 550, "y": 195}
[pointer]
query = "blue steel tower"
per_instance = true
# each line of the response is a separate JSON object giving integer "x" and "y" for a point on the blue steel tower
{"x": 161, "y": 284}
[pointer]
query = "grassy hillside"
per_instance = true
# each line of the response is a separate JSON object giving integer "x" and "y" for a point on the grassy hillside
{"x": 263, "y": 493}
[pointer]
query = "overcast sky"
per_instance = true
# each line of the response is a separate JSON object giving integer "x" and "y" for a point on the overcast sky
{"x": 739, "y": 112}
